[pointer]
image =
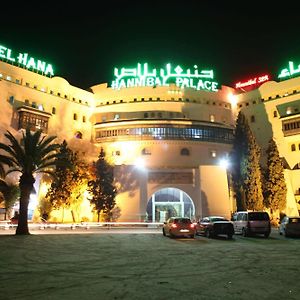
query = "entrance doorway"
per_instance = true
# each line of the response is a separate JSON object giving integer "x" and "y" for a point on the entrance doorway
{"x": 169, "y": 202}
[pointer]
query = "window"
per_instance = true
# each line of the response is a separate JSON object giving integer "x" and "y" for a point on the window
{"x": 33, "y": 121}
{"x": 83, "y": 119}
{"x": 11, "y": 99}
{"x": 275, "y": 114}
{"x": 185, "y": 151}
{"x": 78, "y": 135}
{"x": 212, "y": 118}
{"x": 252, "y": 119}
{"x": 116, "y": 117}
{"x": 53, "y": 110}
{"x": 145, "y": 115}
{"x": 26, "y": 102}
{"x": 75, "y": 117}
{"x": 293, "y": 147}
{"x": 27, "y": 84}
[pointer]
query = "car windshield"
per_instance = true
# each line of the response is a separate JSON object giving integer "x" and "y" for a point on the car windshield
{"x": 258, "y": 216}
{"x": 182, "y": 221}
{"x": 216, "y": 219}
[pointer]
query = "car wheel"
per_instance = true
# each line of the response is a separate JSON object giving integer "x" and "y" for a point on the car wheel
{"x": 244, "y": 232}
{"x": 164, "y": 233}
{"x": 229, "y": 236}
{"x": 208, "y": 233}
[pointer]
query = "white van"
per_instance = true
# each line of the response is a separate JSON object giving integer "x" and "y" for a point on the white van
{"x": 251, "y": 222}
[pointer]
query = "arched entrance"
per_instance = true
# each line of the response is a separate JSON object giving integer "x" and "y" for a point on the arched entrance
{"x": 169, "y": 202}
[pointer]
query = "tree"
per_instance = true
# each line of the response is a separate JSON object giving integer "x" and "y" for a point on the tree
{"x": 10, "y": 193}
{"x": 275, "y": 189}
{"x": 252, "y": 175}
{"x": 246, "y": 172}
{"x": 66, "y": 191}
{"x": 239, "y": 151}
{"x": 102, "y": 188}
{"x": 33, "y": 154}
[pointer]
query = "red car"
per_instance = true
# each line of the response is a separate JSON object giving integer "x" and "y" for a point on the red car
{"x": 177, "y": 226}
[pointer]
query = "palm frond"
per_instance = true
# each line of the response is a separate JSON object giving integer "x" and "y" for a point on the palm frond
{"x": 15, "y": 145}
{"x": 15, "y": 169}
{"x": 7, "y": 160}
{"x": 45, "y": 141}
{"x": 8, "y": 149}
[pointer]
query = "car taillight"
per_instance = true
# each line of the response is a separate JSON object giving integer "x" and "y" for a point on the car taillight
{"x": 174, "y": 225}
{"x": 192, "y": 225}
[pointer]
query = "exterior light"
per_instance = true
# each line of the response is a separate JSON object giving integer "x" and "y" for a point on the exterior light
{"x": 224, "y": 163}
{"x": 140, "y": 163}
{"x": 233, "y": 99}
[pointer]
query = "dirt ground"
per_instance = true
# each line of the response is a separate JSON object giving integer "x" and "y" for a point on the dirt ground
{"x": 147, "y": 266}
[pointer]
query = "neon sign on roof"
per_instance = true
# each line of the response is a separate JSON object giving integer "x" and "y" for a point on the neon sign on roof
{"x": 26, "y": 61}
{"x": 143, "y": 76}
{"x": 289, "y": 71}
{"x": 252, "y": 82}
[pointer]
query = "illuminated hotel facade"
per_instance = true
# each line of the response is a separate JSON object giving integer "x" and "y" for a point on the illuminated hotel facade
{"x": 166, "y": 140}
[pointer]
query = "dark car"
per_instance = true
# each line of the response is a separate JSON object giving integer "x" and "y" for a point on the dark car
{"x": 212, "y": 226}
{"x": 290, "y": 226}
{"x": 177, "y": 226}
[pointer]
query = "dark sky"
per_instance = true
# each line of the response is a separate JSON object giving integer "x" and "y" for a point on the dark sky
{"x": 85, "y": 42}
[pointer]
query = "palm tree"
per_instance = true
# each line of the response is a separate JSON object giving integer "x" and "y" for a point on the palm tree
{"x": 33, "y": 154}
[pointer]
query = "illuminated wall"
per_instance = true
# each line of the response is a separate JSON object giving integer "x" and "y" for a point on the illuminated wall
{"x": 273, "y": 110}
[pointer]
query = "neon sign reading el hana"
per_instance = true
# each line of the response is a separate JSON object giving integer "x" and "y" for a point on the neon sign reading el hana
{"x": 252, "y": 81}
{"x": 143, "y": 76}
{"x": 26, "y": 61}
{"x": 290, "y": 71}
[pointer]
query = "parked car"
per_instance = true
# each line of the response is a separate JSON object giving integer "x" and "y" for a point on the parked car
{"x": 212, "y": 226}
{"x": 250, "y": 223}
{"x": 290, "y": 226}
{"x": 177, "y": 226}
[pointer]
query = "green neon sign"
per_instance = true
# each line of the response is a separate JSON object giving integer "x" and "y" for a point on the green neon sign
{"x": 289, "y": 71}
{"x": 143, "y": 76}
{"x": 26, "y": 61}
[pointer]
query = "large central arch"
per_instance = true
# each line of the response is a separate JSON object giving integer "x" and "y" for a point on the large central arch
{"x": 169, "y": 202}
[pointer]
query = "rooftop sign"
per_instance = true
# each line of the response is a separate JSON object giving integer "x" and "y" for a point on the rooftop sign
{"x": 26, "y": 61}
{"x": 252, "y": 82}
{"x": 290, "y": 71}
{"x": 143, "y": 76}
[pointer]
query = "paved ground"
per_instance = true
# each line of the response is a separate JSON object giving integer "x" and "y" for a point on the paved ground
{"x": 142, "y": 264}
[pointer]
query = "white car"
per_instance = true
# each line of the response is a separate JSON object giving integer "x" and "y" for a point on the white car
{"x": 290, "y": 226}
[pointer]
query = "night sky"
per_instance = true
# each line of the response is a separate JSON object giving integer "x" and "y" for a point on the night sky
{"x": 85, "y": 43}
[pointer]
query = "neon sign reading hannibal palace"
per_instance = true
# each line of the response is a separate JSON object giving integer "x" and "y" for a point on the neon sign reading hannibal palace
{"x": 143, "y": 76}
{"x": 26, "y": 61}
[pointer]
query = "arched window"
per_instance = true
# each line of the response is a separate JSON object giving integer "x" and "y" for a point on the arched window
{"x": 185, "y": 151}
{"x": 53, "y": 110}
{"x": 78, "y": 135}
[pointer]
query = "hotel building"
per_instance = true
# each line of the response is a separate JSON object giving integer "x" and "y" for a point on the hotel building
{"x": 167, "y": 142}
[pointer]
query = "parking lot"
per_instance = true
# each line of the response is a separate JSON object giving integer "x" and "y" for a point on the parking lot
{"x": 131, "y": 263}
